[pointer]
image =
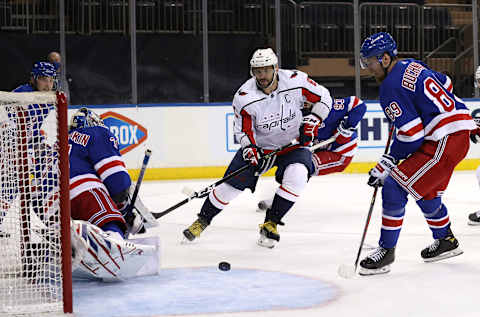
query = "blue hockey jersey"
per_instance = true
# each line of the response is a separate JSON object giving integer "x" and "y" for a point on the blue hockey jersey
{"x": 421, "y": 105}
{"x": 96, "y": 162}
{"x": 352, "y": 109}
{"x": 36, "y": 113}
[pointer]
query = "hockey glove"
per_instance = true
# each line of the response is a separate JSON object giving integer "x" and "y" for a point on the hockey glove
{"x": 475, "y": 134}
{"x": 381, "y": 170}
{"x": 134, "y": 220}
{"x": 309, "y": 129}
{"x": 344, "y": 133}
{"x": 252, "y": 154}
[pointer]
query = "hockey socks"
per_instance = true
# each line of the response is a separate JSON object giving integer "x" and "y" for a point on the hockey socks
{"x": 280, "y": 206}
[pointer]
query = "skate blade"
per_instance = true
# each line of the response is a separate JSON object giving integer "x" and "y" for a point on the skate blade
{"x": 266, "y": 242}
{"x": 185, "y": 240}
{"x": 444, "y": 256}
{"x": 365, "y": 272}
{"x": 473, "y": 223}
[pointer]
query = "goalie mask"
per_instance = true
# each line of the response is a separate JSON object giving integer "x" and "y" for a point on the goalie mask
{"x": 264, "y": 58}
{"x": 85, "y": 118}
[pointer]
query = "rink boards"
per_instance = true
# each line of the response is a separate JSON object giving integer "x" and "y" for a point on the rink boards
{"x": 195, "y": 140}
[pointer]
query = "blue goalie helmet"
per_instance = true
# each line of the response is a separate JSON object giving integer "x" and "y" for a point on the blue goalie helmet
{"x": 376, "y": 45}
{"x": 43, "y": 69}
{"x": 85, "y": 118}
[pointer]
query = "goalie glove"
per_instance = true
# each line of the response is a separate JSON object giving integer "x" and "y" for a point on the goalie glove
{"x": 381, "y": 170}
{"x": 138, "y": 217}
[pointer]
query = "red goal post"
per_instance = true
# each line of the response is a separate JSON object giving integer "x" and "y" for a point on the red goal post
{"x": 35, "y": 250}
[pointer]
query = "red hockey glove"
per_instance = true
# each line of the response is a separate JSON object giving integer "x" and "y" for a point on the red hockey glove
{"x": 252, "y": 154}
{"x": 309, "y": 129}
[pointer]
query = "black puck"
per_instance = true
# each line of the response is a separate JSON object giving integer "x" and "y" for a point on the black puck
{"x": 224, "y": 266}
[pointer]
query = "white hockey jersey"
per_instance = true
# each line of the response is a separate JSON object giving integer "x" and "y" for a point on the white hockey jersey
{"x": 272, "y": 121}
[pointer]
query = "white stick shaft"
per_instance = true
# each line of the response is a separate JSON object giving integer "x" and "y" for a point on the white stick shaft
{"x": 323, "y": 143}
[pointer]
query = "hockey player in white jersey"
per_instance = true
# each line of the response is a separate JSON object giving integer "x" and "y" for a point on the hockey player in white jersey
{"x": 268, "y": 115}
{"x": 474, "y": 218}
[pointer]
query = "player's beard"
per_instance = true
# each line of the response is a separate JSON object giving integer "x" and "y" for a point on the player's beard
{"x": 264, "y": 83}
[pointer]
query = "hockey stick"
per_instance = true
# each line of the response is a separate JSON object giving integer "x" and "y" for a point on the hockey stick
{"x": 323, "y": 143}
{"x": 146, "y": 158}
{"x": 189, "y": 191}
{"x": 148, "y": 218}
{"x": 347, "y": 271}
{"x": 204, "y": 192}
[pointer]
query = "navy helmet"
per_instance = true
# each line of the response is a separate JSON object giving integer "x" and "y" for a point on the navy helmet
{"x": 85, "y": 118}
{"x": 376, "y": 45}
{"x": 43, "y": 69}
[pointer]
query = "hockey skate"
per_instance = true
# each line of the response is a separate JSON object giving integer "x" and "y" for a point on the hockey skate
{"x": 195, "y": 229}
{"x": 474, "y": 219}
{"x": 442, "y": 249}
{"x": 268, "y": 235}
{"x": 377, "y": 262}
{"x": 263, "y": 205}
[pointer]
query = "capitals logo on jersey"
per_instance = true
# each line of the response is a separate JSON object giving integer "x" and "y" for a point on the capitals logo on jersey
{"x": 129, "y": 133}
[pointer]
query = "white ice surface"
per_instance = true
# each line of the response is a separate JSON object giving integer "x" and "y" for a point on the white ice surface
{"x": 323, "y": 231}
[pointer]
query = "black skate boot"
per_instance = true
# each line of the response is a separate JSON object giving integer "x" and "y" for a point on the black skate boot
{"x": 474, "y": 219}
{"x": 442, "y": 249}
{"x": 377, "y": 262}
{"x": 195, "y": 229}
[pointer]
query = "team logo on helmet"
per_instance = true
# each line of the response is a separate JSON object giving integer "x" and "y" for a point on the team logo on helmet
{"x": 129, "y": 133}
{"x": 376, "y": 45}
{"x": 43, "y": 69}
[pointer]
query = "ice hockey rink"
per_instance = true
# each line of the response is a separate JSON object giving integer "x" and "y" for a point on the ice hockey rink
{"x": 299, "y": 276}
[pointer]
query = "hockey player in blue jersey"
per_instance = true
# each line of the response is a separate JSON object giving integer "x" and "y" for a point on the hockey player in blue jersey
{"x": 474, "y": 218}
{"x": 342, "y": 122}
{"x": 100, "y": 191}
{"x": 432, "y": 137}
{"x": 41, "y": 80}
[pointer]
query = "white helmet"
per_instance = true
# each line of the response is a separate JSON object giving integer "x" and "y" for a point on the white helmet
{"x": 262, "y": 58}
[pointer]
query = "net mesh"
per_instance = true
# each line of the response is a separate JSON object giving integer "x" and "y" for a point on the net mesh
{"x": 30, "y": 249}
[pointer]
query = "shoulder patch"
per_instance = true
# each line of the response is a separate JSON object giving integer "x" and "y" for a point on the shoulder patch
{"x": 242, "y": 93}
{"x": 294, "y": 75}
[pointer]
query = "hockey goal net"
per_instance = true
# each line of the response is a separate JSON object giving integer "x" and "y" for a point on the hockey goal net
{"x": 35, "y": 254}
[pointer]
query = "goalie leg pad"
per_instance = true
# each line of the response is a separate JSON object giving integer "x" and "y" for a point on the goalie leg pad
{"x": 104, "y": 255}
